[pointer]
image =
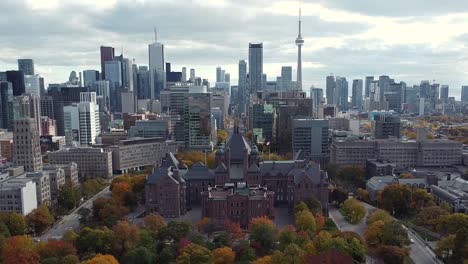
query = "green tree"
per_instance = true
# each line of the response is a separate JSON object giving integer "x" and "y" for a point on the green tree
{"x": 195, "y": 254}
{"x": 40, "y": 219}
{"x": 396, "y": 199}
{"x": 450, "y": 224}
{"x": 430, "y": 216}
{"x": 140, "y": 255}
{"x": 379, "y": 215}
{"x": 15, "y": 222}
{"x": 94, "y": 241}
{"x": 175, "y": 230}
{"x": 299, "y": 207}
{"x": 291, "y": 254}
{"x": 125, "y": 238}
{"x": 421, "y": 198}
{"x": 68, "y": 197}
{"x": 353, "y": 211}
{"x": 263, "y": 234}
{"x": 322, "y": 241}
{"x": 92, "y": 186}
{"x": 393, "y": 234}
{"x": 314, "y": 206}
{"x": 460, "y": 251}
{"x": 445, "y": 247}
{"x": 305, "y": 221}
{"x": 286, "y": 237}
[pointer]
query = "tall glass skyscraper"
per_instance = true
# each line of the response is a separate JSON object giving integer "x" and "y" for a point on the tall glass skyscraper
{"x": 242, "y": 85}
{"x": 156, "y": 68}
{"x": 107, "y": 54}
{"x": 26, "y": 66}
{"x": 255, "y": 67}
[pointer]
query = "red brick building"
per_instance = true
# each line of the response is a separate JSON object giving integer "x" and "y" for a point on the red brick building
{"x": 237, "y": 203}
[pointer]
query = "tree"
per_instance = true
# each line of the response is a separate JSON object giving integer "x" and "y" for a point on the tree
{"x": 450, "y": 224}
{"x": 338, "y": 196}
{"x": 234, "y": 229}
{"x": 396, "y": 199}
{"x": 379, "y": 215}
{"x": 322, "y": 241}
{"x": 460, "y": 251}
{"x": 263, "y": 234}
{"x": 40, "y": 219}
{"x": 353, "y": 176}
{"x": 56, "y": 249}
{"x": 263, "y": 260}
{"x": 125, "y": 238}
{"x": 407, "y": 175}
{"x": 15, "y": 222}
{"x": 314, "y": 206}
{"x": 175, "y": 230}
{"x": 430, "y": 216}
{"x": 92, "y": 186}
{"x": 119, "y": 190}
{"x": 299, "y": 207}
{"x": 195, "y": 254}
{"x": 291, "y": 254}
{"x": 19, "y": 249}
{"x": 373, "y": 234}
{"x": 154, "y": 223}
{"x": 362, "y": 194}
{"x": 352, "y": 245}
{"x": 393, "y": 234}
{"x": 222, "y": 135}
{"x": 445, "y": 247}
{"x": 305, "y": 221}
{"x": 70, "y": 237}
{"x": 140, "y": 255}
{"x": 94, "y": 241}
{"x": 205, "y": 225}
{"x": 108, "y": 211}
{"x": 353, "y": 211}
{"x": 68, "y": 197}
{"x": 102, "y": 259}
{"x": 393, "y": 254}
{"x": 224, "y": 255}
{"x": 421, "y": 198}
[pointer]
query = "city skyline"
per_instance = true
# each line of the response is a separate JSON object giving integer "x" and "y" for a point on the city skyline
{"x": 338, "y": 35}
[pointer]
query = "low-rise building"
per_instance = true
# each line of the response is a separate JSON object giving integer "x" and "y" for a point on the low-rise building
{"x": 453, "y": 191}
{"x": 375, "y": 167}
{"x": 18, "y": 196}
{"x": 237, "y": 202}
{"x": 91, "y": 162}
{"x": 138, "y": 153}
{"x": 70, "y": 170}
{"x": 376, "y": 184}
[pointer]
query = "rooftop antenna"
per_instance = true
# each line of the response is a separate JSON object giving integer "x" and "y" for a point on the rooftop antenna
{"x": 155, "y": 35}
{"x": 300, "y": 18}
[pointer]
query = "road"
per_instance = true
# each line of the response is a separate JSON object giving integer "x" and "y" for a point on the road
{"x": 72, "y": 220}
{"x": 419, "y": 253}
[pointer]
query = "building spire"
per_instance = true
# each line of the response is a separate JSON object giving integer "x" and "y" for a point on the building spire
{"x": 155, "y": 34}
{"x": 300, "y": 21}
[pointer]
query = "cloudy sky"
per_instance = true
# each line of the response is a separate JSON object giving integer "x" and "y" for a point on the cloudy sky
{"x": 410, "y": 40}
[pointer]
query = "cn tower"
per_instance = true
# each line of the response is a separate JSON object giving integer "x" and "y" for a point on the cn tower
{"x": 299, "y": 43}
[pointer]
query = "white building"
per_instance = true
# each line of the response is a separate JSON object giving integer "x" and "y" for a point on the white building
{"x": 18, "y": 196}
{"x": 82, "y": 120}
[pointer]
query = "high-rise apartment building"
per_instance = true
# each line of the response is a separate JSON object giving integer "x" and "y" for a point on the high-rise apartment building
{"x": 26, "y": 144}
{"x": 341, "y": 93}
{"x": 26, "y": 66}
{"x": 184, "y": 74}
{"x": 199, "y": 122}
{"x": 107, "y": 54}
{"x": 316, "y": 95}
{"x": 242, "y": 86}
{"x": 28, "y": 105}
{"x": 255, "y": 67}
{"x": 192, "y": 75}
{"x": 369, "y": 80}
{"x": 444, "y": 93}
{"x": 356, "y": 99}
{"x": 286, "y": 78}
{"x": 330, "y": 89}
{"x": 464, "y": 95}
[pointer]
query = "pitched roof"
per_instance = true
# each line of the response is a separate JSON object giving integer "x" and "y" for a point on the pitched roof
{"x": 199, "y": 172}
{"x": 253, "y": 168}
{"x": 237, "y": 144}
{"x": 158, "y": 174}
{"x": 312, "y": 171}
{"x": 275, "y": 168}
{"x": 221, "y": 168}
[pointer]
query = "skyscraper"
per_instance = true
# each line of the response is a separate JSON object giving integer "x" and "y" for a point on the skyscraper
{"x": 26, "y": 132}
{"x": 199, "y": 122}
{"x": 192, "y": 75}
{"x": 242, "y": 85}
{"x": 255, "y": 67}
{"x": 311, "y": 137}
{"x": 107, "y": 54}
{"x": 82, "y": 120}
{"x": 299, "y": 43}
{"x": 464, "y": 95}
{"x": 90, "y": 76}
{"x": 16, "y": 78}
{"x": 444, "y": 93}
{"x": 184, "y": 74}
{"x": 341, "y": 93}
{"x": 330, "y": 89}
{"x": 316, "y": 95}
{"x": 156, "y": 68}
{"x": 32, "y": 84}
{"x": 286, "y": 78}
{"x": 369, "y": 80}
{"x": 26, "y": 66}
{"x": 356, "y": 99}
{"x": 6, "y": 105}
{"x": 219, "y": 75}
{"x": 143, "y": 83}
